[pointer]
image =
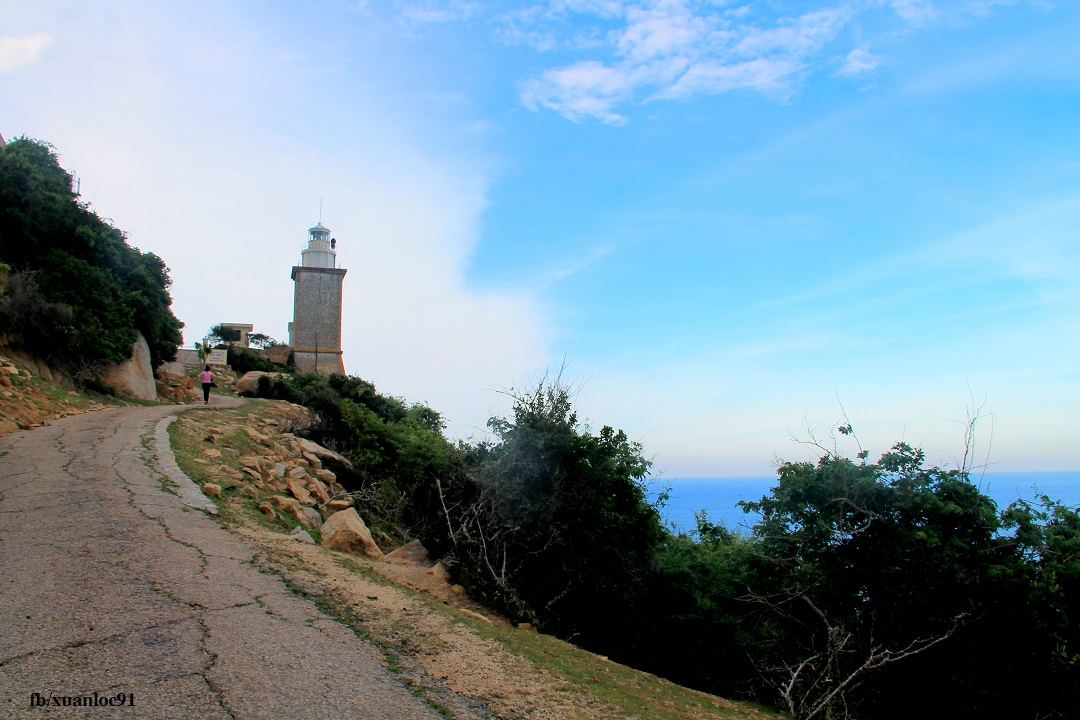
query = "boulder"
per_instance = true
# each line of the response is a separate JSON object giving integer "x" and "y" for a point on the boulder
{"x": 211, "y": 490}
{"x": 317, "y": 489}
{"x": 326, "y": 476}
{"x": 345, "y": 531}
{"x": 255, "y": 435}
{"x": 230, "y": 472}
{"x": 288, "y": 504}
{"x": 175, "y": 386}
{"x": 248, "y": 385}
{"x": 313, "y": 460}
{"x": 337, "y": 505}
{"x": 309, "y": 517}
{"x": 134, "y": 377}
{"x": 250, "y": 461}
{"x": 439, "y": 571}
{"x": 268, "y": 510}
{"x": 411, "y": 553}
{"x": 298, "y": 491}
{"x": 322, "y": 453}
{"x": 303, "y": 537}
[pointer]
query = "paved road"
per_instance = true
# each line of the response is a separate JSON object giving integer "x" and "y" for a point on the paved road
{"x": 108, "y": 584}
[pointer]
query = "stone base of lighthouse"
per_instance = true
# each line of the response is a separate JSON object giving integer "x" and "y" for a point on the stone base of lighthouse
{"x": 324, "y": 362}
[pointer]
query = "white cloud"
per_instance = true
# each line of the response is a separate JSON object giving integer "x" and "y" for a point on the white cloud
{"x": 581, "y": 90}
{"x": 673, "y": 48}
{"x": 711, "y": 77}
{"x": 859, "y": 62}
{"x": 21, "y": 50}
{"x": 660, "y": 31}
{"x": 916, "y": 12}
{"x": 218, "y": 167}
{"x": 436, "y": 11}
{"x": 663, "y": 49}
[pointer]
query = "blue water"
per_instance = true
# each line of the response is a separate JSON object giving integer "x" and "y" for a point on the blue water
{"x": 719, "y": 495}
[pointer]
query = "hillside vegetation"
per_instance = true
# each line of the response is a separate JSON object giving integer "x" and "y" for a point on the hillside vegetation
{"x": 868, "y": 589}
{"x": 72, "y": 291}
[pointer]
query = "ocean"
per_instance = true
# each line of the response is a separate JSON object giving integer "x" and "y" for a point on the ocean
{"x": 719, "y": 495}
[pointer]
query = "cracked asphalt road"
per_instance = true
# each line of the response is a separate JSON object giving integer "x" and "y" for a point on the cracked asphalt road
{"x": 109, "y": 584}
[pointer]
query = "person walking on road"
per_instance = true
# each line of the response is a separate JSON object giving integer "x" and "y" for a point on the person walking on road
{"x": 207, "y": 379}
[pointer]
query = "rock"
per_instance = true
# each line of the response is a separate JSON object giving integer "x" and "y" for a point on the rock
{"x": 288, "y": 504}
{"x": 252, "y": 462}
{"x": 298, "y": 472}
{"x": 309, "y": 517}
{"x": 279, "y": 468}
{"x": 322, "y": 453}
{"x": 212, "y": 452}
{"x": 303, "y": 537}
{"x": 317, "y": 489}
{"x": 313, "y": 460}
{"x": 133, "y": 377}
{"x": 326, "y": 476}
{"x": 411, "y": 553}
{"x": 337, "y": 505}
{"x": 268, "y": 510}
{"x": 474, "y": 614}
{"x": 230, "y": 472}
{"x": 439, "y": 571}
{"x": 458, "y": 589}
{"x": 250, "y": 491}
{"x": 298, "y": 491}
{"x": 211, "y": 490}
{"x": 248, "y": 384}
{"x": 253, "y": 473}
{"x": 345, "y": 531}
{"x": 213, "y": 430}
{"x": 255, "y": 435}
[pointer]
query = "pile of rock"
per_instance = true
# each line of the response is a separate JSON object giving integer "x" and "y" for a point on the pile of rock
{"x": 294, "y": 466}
{"x": 176, "y": 388}
{"x": 7, "y": 369}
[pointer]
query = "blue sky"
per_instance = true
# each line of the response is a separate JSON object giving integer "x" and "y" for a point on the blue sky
{"x": 730, "y": 218}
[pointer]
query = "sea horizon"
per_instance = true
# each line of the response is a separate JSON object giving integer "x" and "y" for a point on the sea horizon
{"x": 719, "y": 495}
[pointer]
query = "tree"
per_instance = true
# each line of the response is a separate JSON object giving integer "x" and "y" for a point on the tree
{"x": 263, "y": 341}
{"x": 555, "y": 525}
{"x": 100, "y": 289}
{"x": 860, "y": 566}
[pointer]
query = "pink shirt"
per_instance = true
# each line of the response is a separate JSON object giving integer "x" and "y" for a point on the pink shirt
{"x": 206, "y": 376}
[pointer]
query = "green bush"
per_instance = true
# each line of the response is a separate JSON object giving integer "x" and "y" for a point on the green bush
{"x": 93, "y": 290}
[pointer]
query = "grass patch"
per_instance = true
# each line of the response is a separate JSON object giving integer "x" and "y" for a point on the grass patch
{"x": 636, "y": 693}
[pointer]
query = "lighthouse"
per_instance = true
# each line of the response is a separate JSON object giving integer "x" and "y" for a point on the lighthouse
{"x": 315, "y": 332}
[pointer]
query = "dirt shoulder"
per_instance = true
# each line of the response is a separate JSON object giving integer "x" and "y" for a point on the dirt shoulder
{"x": 465, "y": 659}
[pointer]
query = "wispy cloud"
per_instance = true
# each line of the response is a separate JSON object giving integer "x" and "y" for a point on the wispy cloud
{"x": 20, "y": 50}
{"x": 645, "y": 50}
{"x": 675, "y": 48}
{"x": 859, "y": 62}
{"x": 438, "y": 11}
